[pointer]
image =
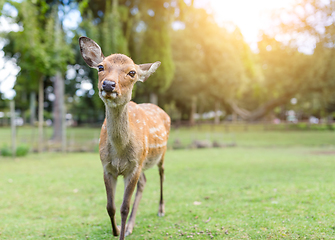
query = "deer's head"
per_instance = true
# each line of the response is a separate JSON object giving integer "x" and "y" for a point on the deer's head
{"x": 117, "y": 72}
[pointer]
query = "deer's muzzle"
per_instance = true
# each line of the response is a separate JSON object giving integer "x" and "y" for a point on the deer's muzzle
{"x": 108, "y": 86}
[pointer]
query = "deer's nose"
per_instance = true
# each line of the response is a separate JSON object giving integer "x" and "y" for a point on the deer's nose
{"x": 108, "y": 86}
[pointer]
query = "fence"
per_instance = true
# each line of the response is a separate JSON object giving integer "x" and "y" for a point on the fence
{"x": 86, "y": 139}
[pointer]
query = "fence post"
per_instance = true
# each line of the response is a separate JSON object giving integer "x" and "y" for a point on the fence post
{"x": 40, "y": 114}
{"x": 12, "y": 123}
{"x": 63, "y": 109}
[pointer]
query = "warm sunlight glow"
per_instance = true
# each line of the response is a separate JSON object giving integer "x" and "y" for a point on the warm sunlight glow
{"x": 249, "y": 15}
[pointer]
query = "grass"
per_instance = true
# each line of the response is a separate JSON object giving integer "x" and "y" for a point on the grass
{"x": 252, "y": 135}
{"x": 252, "y": 191}
{"x": 255, "y": 137}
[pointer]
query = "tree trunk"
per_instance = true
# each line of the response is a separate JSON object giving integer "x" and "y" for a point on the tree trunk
{"x": 234, "y": 117}
{"x": 58, "y": 109}
{"x": 193, "y": 110}
{"x": 32, "y": 108}
{"x": 40, "y": 114}
{"x": 217, "y": 109}
{"x": 261, "y": 111}
{"x": 154, "y": 98}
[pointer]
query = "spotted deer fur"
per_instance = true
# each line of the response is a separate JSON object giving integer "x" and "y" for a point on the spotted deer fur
{"x": 133, "y": 136}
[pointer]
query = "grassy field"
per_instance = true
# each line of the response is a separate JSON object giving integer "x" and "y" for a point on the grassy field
{"x": 260, "y": 189}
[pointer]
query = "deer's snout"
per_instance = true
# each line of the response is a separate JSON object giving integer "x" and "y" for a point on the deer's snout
{"x": 108, "y": 86}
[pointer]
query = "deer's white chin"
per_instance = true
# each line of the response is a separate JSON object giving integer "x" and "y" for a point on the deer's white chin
{"x": 110, "y": 95}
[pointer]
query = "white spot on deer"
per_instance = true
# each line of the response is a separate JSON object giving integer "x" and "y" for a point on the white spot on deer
{"x": 103, "y": 93}
{"x": 156, "y": 136}
{"x": 157, "y": 145}
{"x": 155, "y": 129}
{"x": 146, "y": 140}
{"x": 152, "y": 130}
{"x": 138, "y": 121}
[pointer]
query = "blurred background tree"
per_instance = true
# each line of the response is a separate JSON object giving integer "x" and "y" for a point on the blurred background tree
{"x": 206, "y": 66}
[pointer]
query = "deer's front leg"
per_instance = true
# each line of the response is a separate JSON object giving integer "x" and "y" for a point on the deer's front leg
{"x": 130, "y": 183}
{"x": 140, "y": 186}
{"x": 110, "y": 183}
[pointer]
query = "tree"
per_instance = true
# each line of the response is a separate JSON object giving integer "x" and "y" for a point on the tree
{"x": 156, "y": 45}
{"x": 34, "y": 47}
{"x": 285, "y": 71}
{"x": 288, "y": 71}
{"x": 212, "y": 64}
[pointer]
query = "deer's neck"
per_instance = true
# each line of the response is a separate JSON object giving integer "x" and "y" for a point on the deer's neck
{"x": 118, "y": 129}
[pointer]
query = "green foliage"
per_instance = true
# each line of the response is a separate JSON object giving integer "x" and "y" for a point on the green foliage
{"x": 159, "y": 49}
{"x": 2, "y": 2}
{"x": 310, "y": 20}
{"x": 39, "y": 47}
{"x": 113, "y": 39}
{"x": 202, "y": 61}
{"x": 5, "y": 151}
{"x": 21, "y": 151}
{"x": 156, "y": 46}
{"x": 42, "y": 48}
{"x": 120, "y": 29}
{"x": 212, "y": 64}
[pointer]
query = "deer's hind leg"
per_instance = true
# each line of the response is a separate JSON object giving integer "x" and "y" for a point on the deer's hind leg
{"x": 161, "y": 209}
{"x": 140, "y": 186}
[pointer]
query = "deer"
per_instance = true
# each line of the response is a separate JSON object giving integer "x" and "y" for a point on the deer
{"x": 133, "y": 136}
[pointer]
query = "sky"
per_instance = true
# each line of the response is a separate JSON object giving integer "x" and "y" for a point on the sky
{"x": 250, "y": 16}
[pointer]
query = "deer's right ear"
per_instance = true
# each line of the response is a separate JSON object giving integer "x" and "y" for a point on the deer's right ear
{"x": 91, "y": 52}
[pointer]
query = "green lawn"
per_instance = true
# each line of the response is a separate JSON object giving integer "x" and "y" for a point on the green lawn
{"x": 252, "y": 135}
{"x": 243, "y": 192}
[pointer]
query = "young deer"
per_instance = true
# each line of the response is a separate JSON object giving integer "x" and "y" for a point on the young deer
{"x": 133, "y": 136}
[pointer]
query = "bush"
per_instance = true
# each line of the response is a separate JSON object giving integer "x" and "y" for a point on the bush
{"x": 21, "y": 150}
{"x": 5, "y": 151}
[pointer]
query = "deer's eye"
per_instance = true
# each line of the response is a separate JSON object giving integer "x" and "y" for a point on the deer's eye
{"x": 100, "y": 68}
{"x": 132, "y": 73}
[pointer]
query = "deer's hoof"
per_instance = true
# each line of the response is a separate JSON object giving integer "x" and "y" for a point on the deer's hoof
{"x": 116, "y": 232}
{"x": 128, "y": 233}
{"x": 161, "y": 214}
{"x": 161, "y": 210}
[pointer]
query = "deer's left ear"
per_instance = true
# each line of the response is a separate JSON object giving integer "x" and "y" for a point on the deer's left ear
{"x": 146, "y": 70}
{"x": 91, "y": 52}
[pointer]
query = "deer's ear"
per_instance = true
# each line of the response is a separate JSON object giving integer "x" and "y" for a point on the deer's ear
{"x": 91, "y": 52}
{"x": 146, "y": 70}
